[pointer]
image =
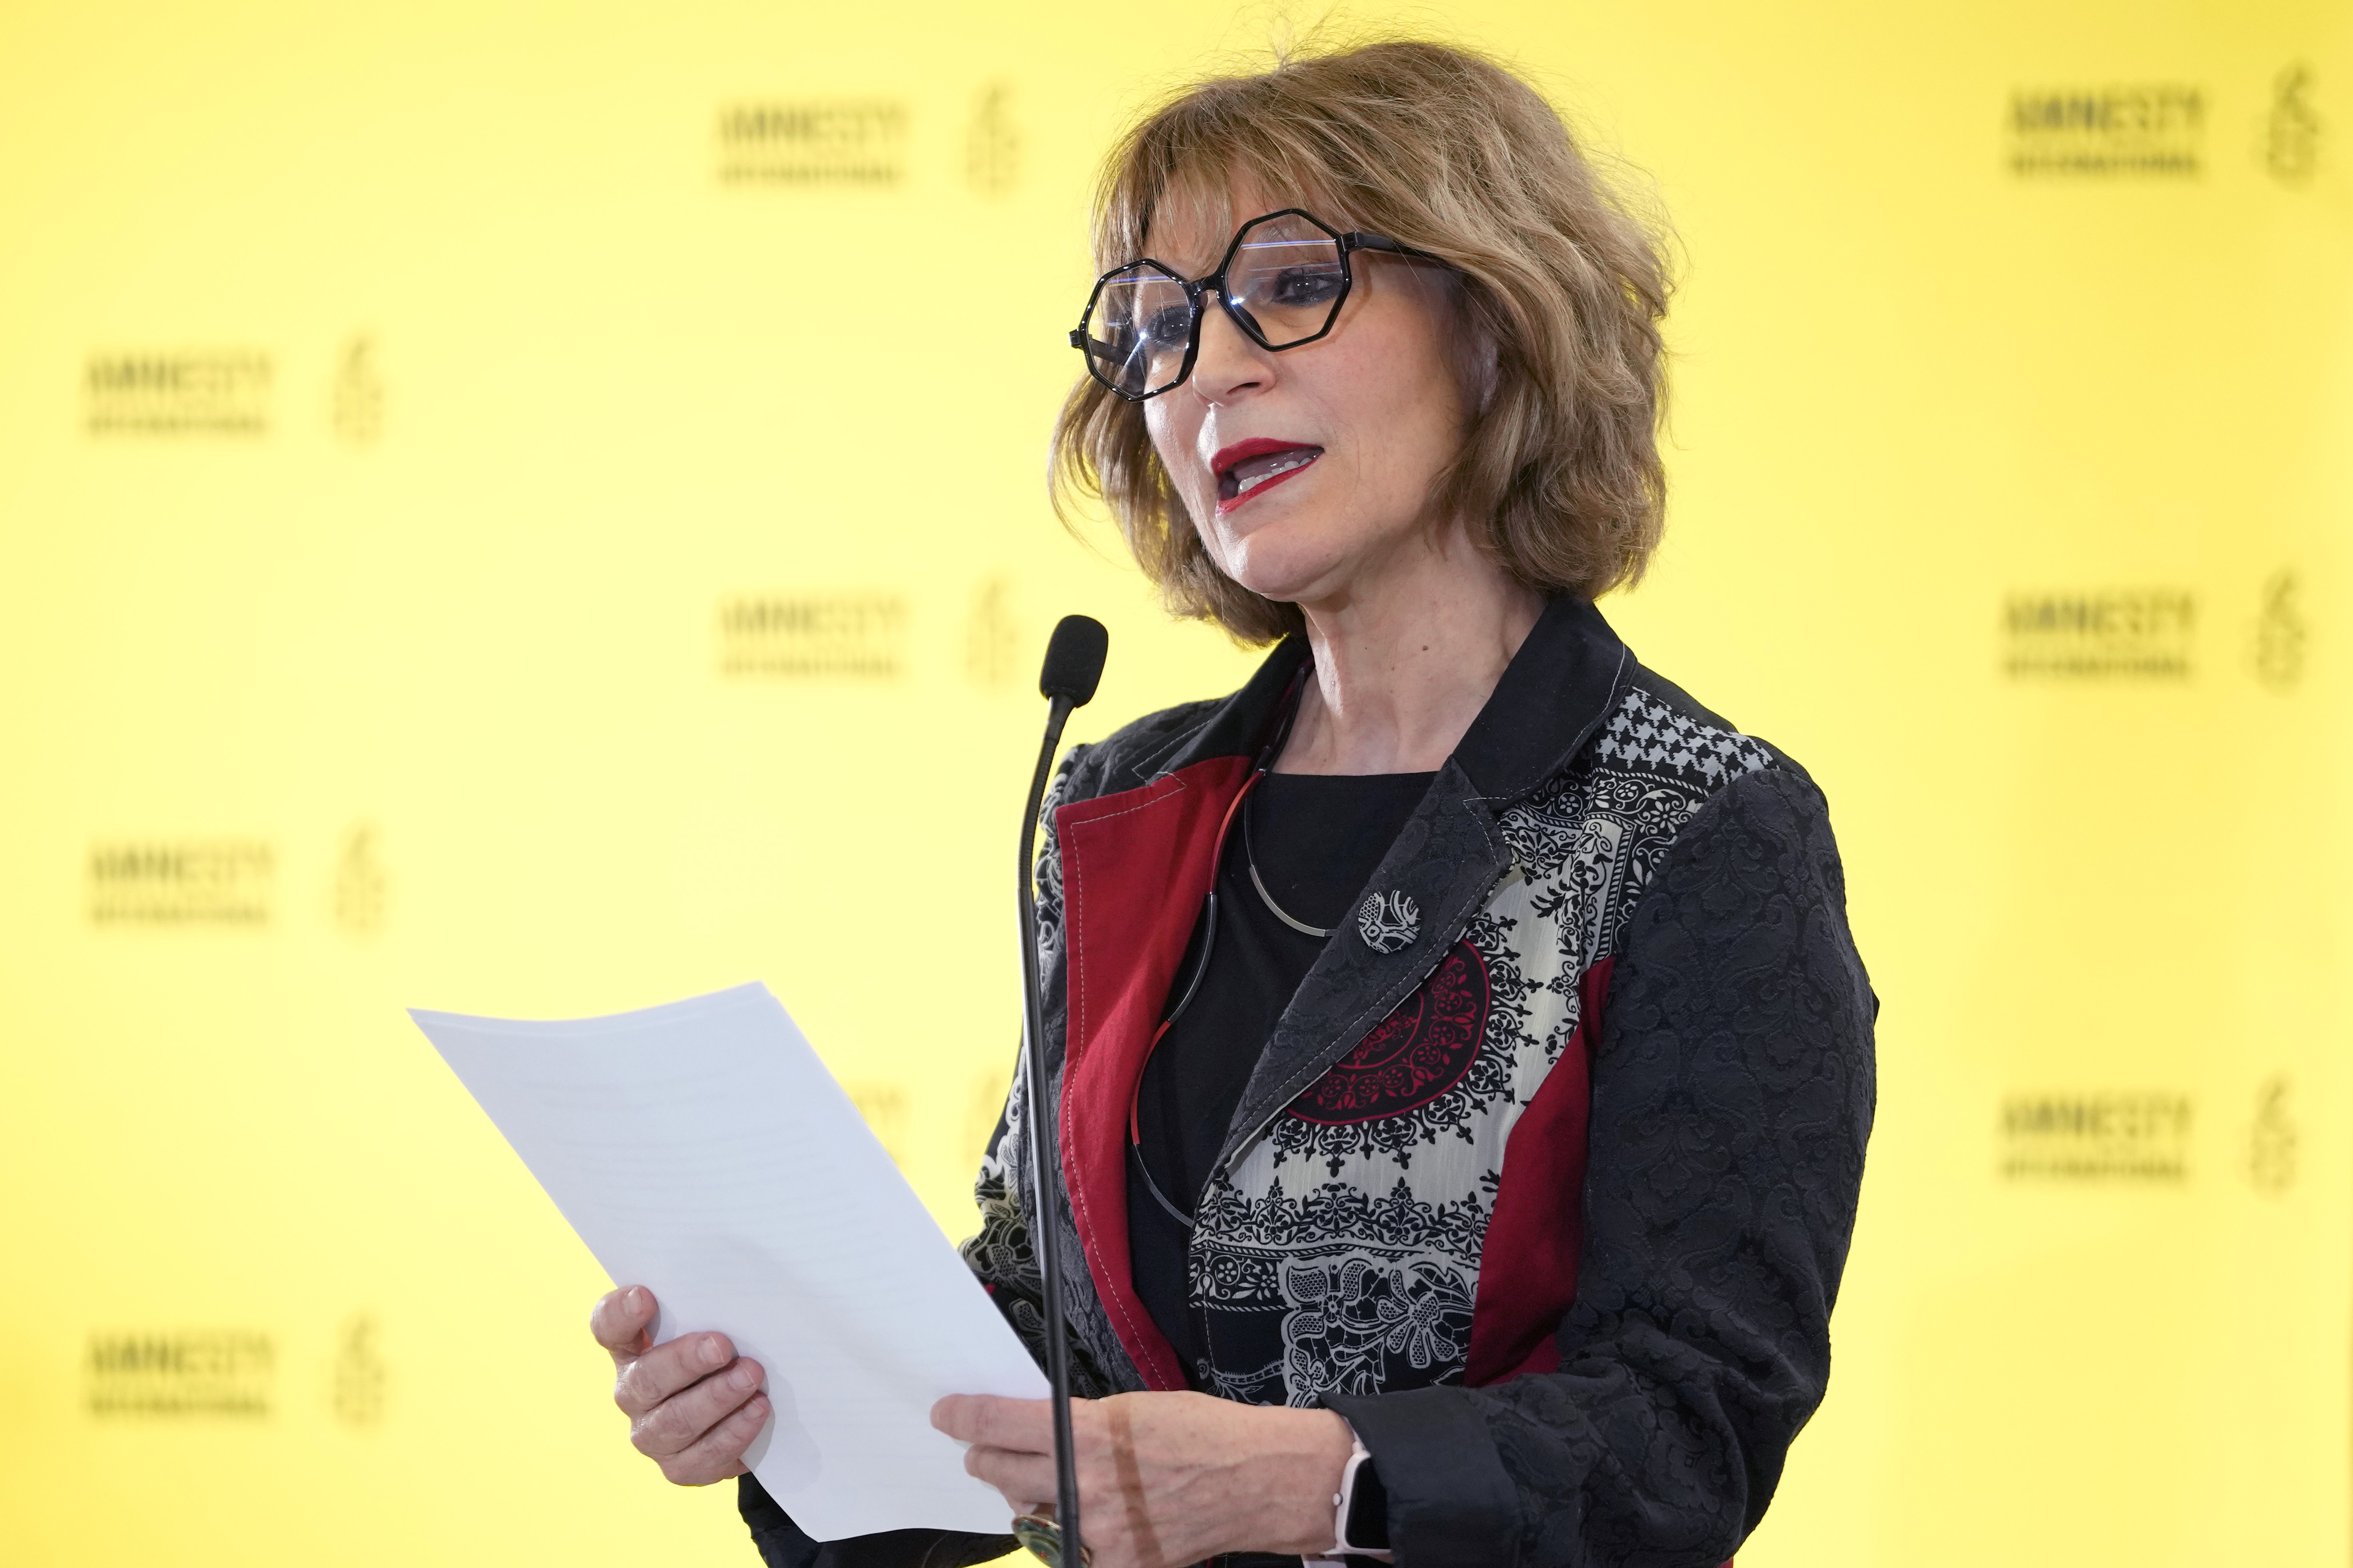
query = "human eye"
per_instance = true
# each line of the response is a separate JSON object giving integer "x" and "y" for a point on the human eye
{"x": 1168, "y": 326}
{"x": 1300, "y": 286}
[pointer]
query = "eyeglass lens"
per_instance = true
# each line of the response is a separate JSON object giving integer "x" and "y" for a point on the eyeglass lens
{"x": 1137, "y": 333}
{"x": 1284, "y": 282}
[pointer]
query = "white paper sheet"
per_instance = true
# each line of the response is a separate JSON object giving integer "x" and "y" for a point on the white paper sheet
{"x": 703, "y": 1151}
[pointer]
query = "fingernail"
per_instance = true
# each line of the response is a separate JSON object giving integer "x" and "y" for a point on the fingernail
{"x": 712, "y": 1354}
{"x": 745, "y": 1376}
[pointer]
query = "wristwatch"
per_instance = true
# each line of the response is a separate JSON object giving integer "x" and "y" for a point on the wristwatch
{"x": 1360, "y": 1513}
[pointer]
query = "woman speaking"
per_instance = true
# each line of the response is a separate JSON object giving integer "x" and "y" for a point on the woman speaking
{"x": 1461, "y": 1064}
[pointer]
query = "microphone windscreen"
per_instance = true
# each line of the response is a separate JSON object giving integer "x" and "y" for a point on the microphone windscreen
{"x": 1074, "y": 661}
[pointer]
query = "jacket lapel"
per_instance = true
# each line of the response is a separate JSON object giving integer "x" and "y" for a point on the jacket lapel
{"x": 1136, "y": 865}
{"x": 1433, "y": 879}
{"x": 1136, "y": 868}
{"x": 1567, "y": 676}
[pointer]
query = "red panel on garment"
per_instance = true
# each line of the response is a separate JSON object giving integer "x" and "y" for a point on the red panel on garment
{"x": 1527, "y": 1265}
{"x": 1413, "y": 1055}
{"x": 1136, "y": 868}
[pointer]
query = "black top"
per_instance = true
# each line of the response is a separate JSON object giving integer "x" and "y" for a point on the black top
{"x": 1315, "y": 840}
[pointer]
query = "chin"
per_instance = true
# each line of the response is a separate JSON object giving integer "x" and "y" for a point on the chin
{"x": 1285, "y": 587}
{"x": 1283, "y": 581}
{"x": 1283, "y": 559}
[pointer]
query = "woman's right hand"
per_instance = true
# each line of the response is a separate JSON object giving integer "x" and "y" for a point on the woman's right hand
{"x": 693, "y": 1404}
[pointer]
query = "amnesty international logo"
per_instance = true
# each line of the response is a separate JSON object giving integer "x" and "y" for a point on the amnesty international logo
{"x": 2095, "y": 1137}
{"x": 2134, "y": 130}
{"x": 804, "y": 635}
{"x": 849, "y": 143}
{"x": 182, "y": 392}
{"x": 2116, "y": 634}
{"x": 191, "y": 882}
{"x": 211, "y": 1372}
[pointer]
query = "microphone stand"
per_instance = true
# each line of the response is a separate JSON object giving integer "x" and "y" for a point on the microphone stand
{"x": 1069, "y": 682}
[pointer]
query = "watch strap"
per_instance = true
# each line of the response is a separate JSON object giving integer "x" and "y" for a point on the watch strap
{"x": 1359, "y": 1510}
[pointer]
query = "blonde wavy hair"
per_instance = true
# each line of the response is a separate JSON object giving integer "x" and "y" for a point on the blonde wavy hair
{"x": 1558, "y": 282}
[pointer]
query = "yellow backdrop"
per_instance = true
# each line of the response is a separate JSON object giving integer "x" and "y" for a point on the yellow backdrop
{"x": 536, "y": 510}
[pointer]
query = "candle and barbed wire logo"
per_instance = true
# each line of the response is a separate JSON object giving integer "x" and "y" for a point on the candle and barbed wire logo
{"x": 888, "y": 1113}
{"x": 177, "y": 391}
{"x": 2272, "y": 1137}
{"x": 2281, "y": 633}
{"x": 355, "y": 403}
{"x": 360, "y": 891}
{"x": 2119, "y": 130}
{"x": 358, "y": 1379}
{"x": 992, "y": 142}
{"x": 2289, "y": 147}
{"x": 983, "y": 1106}
{"x": 992, "y": 638}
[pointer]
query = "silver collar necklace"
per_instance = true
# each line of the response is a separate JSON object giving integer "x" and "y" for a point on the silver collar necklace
{"x": 1250, "y": 858}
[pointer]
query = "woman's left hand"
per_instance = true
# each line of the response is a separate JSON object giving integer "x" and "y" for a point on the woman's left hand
{"x": 1165, "y": 1478}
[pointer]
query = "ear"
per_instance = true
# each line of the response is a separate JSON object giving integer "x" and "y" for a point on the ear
{"x": 1477, "y": 361}
{"x": 1477, "y": 365}
{"x": 1483, "y": 374}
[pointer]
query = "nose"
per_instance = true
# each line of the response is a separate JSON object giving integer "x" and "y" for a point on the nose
{"x": 1229, "y": 365}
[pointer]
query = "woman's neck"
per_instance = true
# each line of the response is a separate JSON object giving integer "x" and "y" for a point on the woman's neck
{"x": 1404, "y": 663}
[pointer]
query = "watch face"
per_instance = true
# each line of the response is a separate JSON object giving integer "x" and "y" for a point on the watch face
{"x": 1368, "y": 1523}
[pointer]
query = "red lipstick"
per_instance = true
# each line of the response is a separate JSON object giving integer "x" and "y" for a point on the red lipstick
{"x": 1252, "y": 468}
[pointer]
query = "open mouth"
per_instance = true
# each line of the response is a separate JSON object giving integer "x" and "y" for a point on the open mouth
{"x": 1247, "y": 467}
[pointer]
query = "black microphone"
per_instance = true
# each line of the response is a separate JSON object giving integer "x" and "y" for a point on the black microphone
{"x": 1074, "y": 663}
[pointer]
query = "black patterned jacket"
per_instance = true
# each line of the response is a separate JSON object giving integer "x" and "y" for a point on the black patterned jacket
{"x": 1546, "y": 1179}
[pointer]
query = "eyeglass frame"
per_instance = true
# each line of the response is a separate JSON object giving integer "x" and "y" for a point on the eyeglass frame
{"x": 1349, "y": 243}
